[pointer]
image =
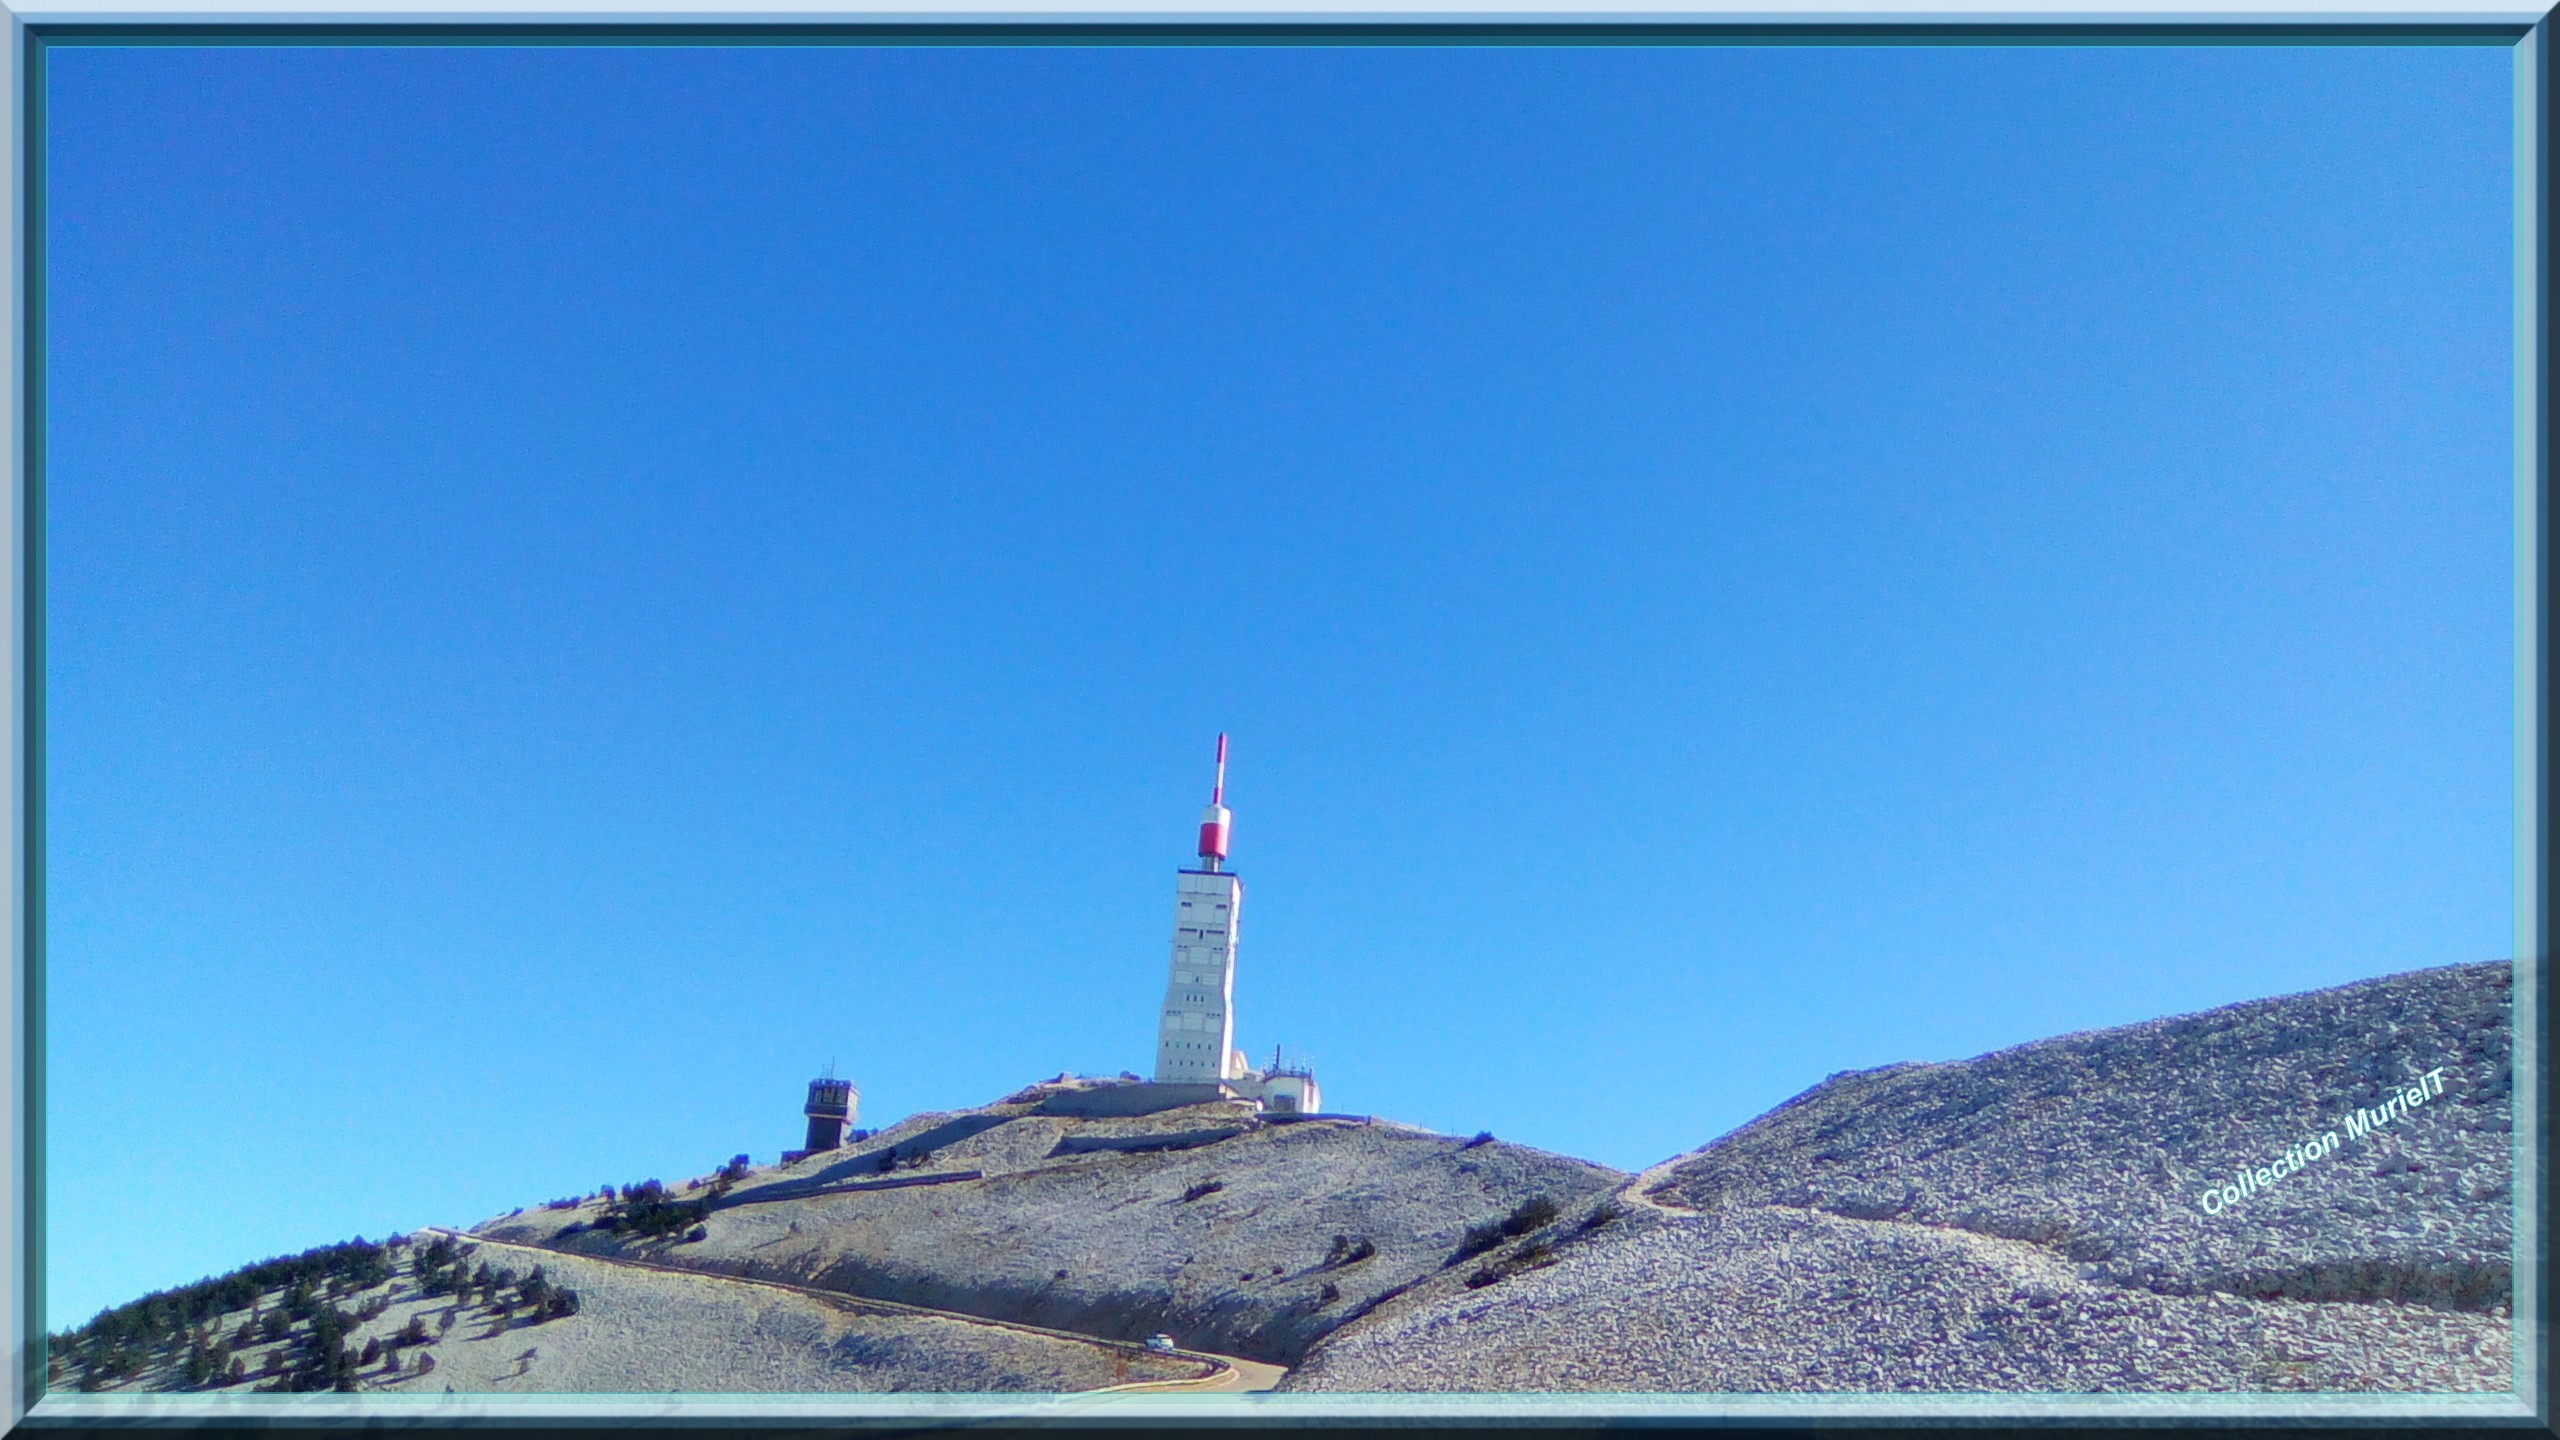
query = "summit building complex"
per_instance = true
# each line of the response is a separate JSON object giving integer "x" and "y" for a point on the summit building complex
{"x": 1196, "y": 1029}
{"x": 1197, "y": 1061}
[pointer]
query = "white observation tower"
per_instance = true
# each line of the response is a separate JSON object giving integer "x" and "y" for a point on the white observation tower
{"x": 1195, "y": 1039}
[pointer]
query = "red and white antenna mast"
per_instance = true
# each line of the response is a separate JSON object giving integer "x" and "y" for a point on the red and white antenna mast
{"x": 1196, "y": 1028}
{"x": 1215, "y": 819}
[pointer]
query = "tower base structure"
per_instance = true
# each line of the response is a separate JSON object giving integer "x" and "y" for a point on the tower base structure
{"x": 1291, "y": 1093}
{"x": 1120, "y": 1101}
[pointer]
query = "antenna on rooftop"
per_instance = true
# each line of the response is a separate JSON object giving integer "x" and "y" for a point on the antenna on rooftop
{"x": 1215, "y": 820}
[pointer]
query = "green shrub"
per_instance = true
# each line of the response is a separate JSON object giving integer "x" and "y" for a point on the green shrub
{"x": 157, "y": 1324}
{"x": 1533, "y": 1212}
{"x": 657, "y": 1216}
{"x": 1527, "y": 1257}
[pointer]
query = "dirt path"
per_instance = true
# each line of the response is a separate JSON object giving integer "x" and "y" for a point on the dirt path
{"x": 1655, "y": 1175}
{"x": 1226, "y": 1373}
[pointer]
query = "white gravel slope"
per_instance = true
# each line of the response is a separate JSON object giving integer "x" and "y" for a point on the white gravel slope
{"x": 2102, "y": 1145}
{"x": 1227, "y": 1243}
{"x": 645, "y": 1332}
{"x": 2031, "y": 1220}
{"x": 1772, "y": 1300}
{"x": 640, "y": 1331}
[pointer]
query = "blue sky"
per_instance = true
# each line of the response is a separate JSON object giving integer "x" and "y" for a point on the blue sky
{"x": 586, "y": 585}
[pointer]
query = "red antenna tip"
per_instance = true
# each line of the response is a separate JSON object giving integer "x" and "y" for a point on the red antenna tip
{"x": 1213, "y": 822}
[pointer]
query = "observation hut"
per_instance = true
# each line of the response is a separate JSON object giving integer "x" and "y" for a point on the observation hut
{"x": 833, "y": 1105}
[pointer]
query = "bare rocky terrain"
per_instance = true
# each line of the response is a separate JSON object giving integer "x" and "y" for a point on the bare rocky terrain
{"x": 1203, "y": 1221}
{"x": 2063, "y": 1216}
{"x": 645, "y": 1332}
{"x": 2033, "y": 1219}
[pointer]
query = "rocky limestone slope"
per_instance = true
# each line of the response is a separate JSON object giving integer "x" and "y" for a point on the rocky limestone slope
{"x": 2100, "y": 1146}
{"x": 2035, "y": 1219}
{"x": 390, "y": 1328}
{"x": 645, "y": 1332}
{"x": 1237, "y": 1235}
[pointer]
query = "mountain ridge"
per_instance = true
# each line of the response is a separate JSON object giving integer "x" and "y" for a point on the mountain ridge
{"x": 2058, "y": 1215}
